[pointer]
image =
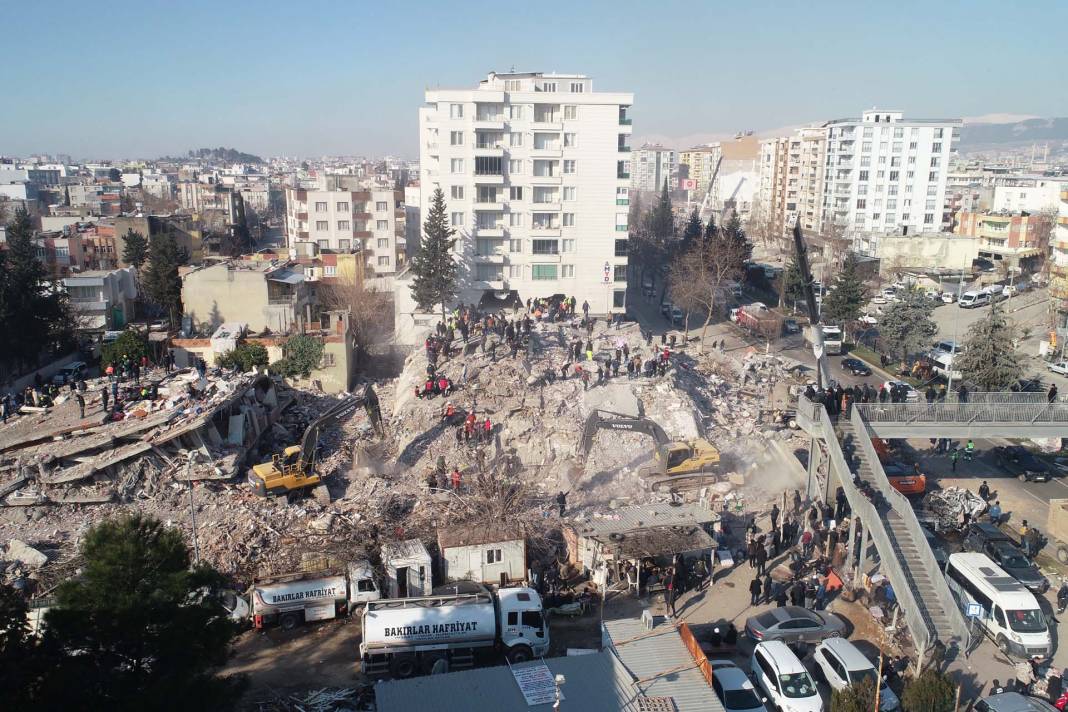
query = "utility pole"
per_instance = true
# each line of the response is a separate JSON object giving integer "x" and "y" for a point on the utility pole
{"x": 192, "y": 508}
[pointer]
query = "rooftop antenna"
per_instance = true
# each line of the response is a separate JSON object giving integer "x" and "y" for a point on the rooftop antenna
{"x": 512, "y": 70}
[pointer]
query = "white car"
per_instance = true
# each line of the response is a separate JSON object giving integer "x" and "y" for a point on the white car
{"x": 1060, "y": 368}
{"x": 878, "y": 299}
{"x": 1009, "y": 291}
{"x": 868, "y": 319}
{"x": 911, "y": 394}
{"x": 783, "y": 678}
{"x": 948, "y": 297}
{"x": 841, "y": 664}
{"x": 734, "y": 689}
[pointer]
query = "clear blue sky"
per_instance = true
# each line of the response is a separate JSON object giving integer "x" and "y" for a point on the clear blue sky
{"x": 145, "y": 78}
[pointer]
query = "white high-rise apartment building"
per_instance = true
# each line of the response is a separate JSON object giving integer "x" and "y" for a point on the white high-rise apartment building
{"x": 535, "y": 170}
{"x": 654, "y": 164}
{"x": 887, "y": 174}
{"x": 346, "y": 214}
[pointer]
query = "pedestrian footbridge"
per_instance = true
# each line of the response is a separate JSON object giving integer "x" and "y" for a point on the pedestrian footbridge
{"x": 982, "y": 415}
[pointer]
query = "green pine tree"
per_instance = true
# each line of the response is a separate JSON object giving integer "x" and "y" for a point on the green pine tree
{"x": 859, "y": 697}
{"x": 692, "y": 233}
{"x": 990, "y": 359}
{"x": 662, "y": 217}
{"x": 139, "y": 628}
{"x": 792, "y": 284}
{"x": 434, "y": 269}
{"x": 844, "y": 303}
{"x": 160, "y": 281}
{"x": 907, "y": 328}
{"x": 135, "y": 249}
{"x": 711, "y": 229}
{"x": 931, "y": 691}
{"x": 733, "y": 234}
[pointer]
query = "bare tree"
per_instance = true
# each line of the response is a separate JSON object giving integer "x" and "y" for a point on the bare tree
{"x": 702, "y": 274}
{"x": 370, "y": 311}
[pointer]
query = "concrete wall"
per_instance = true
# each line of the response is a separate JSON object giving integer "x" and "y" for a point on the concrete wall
{"x": 927, "y": 252}
{"x": 217, "y": 294}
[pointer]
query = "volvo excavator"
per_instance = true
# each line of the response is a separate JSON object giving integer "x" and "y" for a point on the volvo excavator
{"x": 676, "y": 462}
{"x": 294, "y": 469}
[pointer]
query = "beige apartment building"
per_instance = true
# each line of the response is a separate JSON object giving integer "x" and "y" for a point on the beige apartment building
{"x": 701, "y": 163}
{"x": 770, "y": 208}
{"x": 263, "y": 295}
{"x": 791, "y": 181}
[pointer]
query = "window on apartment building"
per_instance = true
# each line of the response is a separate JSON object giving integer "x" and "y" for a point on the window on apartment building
{"x": 938, "y": 133}
{"x": 456, "y": 111}
{"x": 515, "y": 246}
{"x": 545, "y": 221}
{"x": 622, "y": 248}
{"x": 934, "y": 161}
{"x": 865, "y": 147}
{"x": 862, "y": 190}
{"x": 619, "y": 298}
{"x": 545, "y": 194}
{"x": 577, "y": 87}
{"x": 570, "y": 112}
{"x": 515, "y": 140}
{"x": 567, "y": 245}
{"x": 542, "y": 272}
{"x": 570, "y": 192}
{"x": 861, "y": 203}
{"x": 932, "y": 190}
{"x": 894, "y": 175}
{"x": 515, "y": 192}
{"x": 486, "y": 194}
{"x": 515, "y": 167}
{"x": 343, "y": 225}
{"x": 322, "y": 225}
{"x": 910, "y": 175}
{"x": 383, "y": 261}
{"x": 486, "y": 247}
{"x": 382, "y": 224}
{"x": 381, "y": 206}
{"x": 569, "y": 220}
{"x": 862, "y": 176}
{"x": 329, "y": 271}
{"x": 569, "y": 167}
{"x": 342, "y": 206}
{"x": 930, "y": 204}
{"x": 515, "y": 271}
{"x": 321, "y": 207}
{"x": 383, "y": 243}
{"x": 891, "y": 190}
{"x": 912, "y": 160}
{"x": 899, "y": 132}
{"x": 880, "y": 175}
{"x": 456, "y": 138}
{"x": 457, "y": 219}
{"x": 457, "y": 192}
{"x": 891, "y": 218}
{"x": 897, "y": 147}
{"x": 567, "y": 271}
{"x": 513, "y": 85}
{"x": 456, "y": 165}
{"x": 515, "y": 219}
{"x": 488, "y": 166}
{"x": 928, "y": 218}
{"x": 546, "y": 247}
{"x": 913, "y": 145}
{"x": 891, "y": 204}
{"x": 548, "y": 86}
{"x": 876, "y": 216}
{"x": 932, "y": 176}
{"x": 865, "y": 160}
{"x": 570, "y": 140}
{"x": 895, "y": 162}
{"x": 877, "y": 203}
{"x": 882, "y": 146}
{"x": 323, "y": 244}
{"x": 867, "y": 132}
{"x": 619, "y": 273}
{"x": 622, "y": 193}
{"x": 515, "y": 112}
{"x": 344, "y": 245}
{"x": 489, "y": 273}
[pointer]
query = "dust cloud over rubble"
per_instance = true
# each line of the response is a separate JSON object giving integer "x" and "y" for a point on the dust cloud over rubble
{"x": 191, "y": 446}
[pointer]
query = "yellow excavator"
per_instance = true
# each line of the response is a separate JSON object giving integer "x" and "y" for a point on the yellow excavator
{"x": 294, "y": 469}
{"x": 676, "y": 462}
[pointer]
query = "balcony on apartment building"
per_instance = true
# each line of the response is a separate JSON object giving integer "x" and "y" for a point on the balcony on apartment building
{"x": 489, "y": 117}
{"x": 624, "y": 120}
{"x": 548, "y": 116}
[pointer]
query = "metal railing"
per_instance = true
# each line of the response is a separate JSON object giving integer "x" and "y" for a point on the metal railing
{"x": 1021, "y": 411}
{"x": 904, "y": 508}
{"x": 815, "y": 416}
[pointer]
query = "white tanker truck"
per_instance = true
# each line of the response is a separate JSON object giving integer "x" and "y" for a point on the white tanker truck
{"x": 403, "y": 637}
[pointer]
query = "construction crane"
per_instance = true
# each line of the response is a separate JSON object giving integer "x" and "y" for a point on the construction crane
{"x": 676, "y": 461}
{"x": 294, "y": 469}
{"x": 823, "y": 373}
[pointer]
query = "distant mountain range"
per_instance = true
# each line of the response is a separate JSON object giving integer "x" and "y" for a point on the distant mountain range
{"x": 975, "y": 136}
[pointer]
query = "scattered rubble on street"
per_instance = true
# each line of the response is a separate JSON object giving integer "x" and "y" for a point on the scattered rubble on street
{"x": 950, "y": 508}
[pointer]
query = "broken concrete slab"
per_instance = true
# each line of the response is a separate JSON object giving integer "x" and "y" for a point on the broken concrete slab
{"x": 25, "y": 554}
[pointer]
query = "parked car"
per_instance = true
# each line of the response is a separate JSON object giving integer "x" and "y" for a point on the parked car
{"x": 948, "y": 297}
{"x": 905, "y": 479}
{"x": 1059, "y": 367}
{"x": 794, "y": 624}
{"x": 1028, "y": 385}
{"x": 856, "y": 367}
{"x": 878, "y": 299}
{"x": 935, "y": 542}
{"x": 1009, "y": 291}
{"x": 841, "y": 664}
{"x": 1012, "y": 702}
{"x": 985, "y": 538}
{"x": 733, "y": 688}
{"x": 677, "y": 316}
{"x": 1018, "y": 460}
{"x": 783, "y": 678}
{"x": 911, "y": 394}
{"x": 790, "y": 326}
{"x": 868, "y": 319}
{"x": 71, "y": 372}
{"x": 665, "y": 308}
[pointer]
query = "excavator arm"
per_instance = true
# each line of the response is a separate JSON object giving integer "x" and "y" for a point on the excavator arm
{"x": 606, "y": 420}
{"x": 823, "y": 373}
{"x": 309, "y": 444}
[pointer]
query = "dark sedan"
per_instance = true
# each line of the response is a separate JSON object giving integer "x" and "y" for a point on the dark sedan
{"x": 790, "y": 326}
{"x": 856, "y": 367}
{"x": 1019, "y": 461}
{"x": 793, "y": 624}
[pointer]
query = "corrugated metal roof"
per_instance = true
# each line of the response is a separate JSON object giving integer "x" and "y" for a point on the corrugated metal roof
{"x": 595, "y": 683}
{"x": 659, "y": 514}
{"x": 653, "y": 655}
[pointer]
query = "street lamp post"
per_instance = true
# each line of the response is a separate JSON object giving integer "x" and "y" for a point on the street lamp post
{"x": 192, "y": 508}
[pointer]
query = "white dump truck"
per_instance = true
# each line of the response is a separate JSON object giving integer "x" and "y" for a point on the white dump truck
{"x": 403, "y": 637}
{"x": 290, "y": 600}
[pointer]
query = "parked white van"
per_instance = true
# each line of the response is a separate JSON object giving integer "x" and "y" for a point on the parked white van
{"x": 970, "y": 300}
{"x": 1008, "y": 612}
{"x": 783, "y": 678}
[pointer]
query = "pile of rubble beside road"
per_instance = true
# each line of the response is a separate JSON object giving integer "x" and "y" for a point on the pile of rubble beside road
{"x": 184, "y": 454}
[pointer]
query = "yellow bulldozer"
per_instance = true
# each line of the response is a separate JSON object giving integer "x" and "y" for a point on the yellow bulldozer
{"x": 294, "y": 469}
{"x": 677, "y": 462}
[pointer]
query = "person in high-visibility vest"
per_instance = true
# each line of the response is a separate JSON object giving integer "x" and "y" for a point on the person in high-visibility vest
{"x": 969, "y": 450}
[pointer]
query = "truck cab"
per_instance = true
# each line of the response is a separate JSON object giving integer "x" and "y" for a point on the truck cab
{"x": 523, "y": 624}
{"x": 362, "y": 584}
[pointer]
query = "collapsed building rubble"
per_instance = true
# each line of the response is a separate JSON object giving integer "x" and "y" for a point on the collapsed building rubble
{"x": 185, "y": 452}
{"x": 950, "y": 508}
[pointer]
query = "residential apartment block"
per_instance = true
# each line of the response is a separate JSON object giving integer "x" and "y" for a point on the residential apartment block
{"x": 1029, "y": 193}
{"x": 886, "y": 174}
{"x": 1013, "y": 239}
{"x": 535, "y": 170}
{"x": 1058, "y": 285}
{"x": 700, "y": 164}
{"x": 345, "y": 213}
{"x": 770, "y": 207}
{"x": 652, "y": 166}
